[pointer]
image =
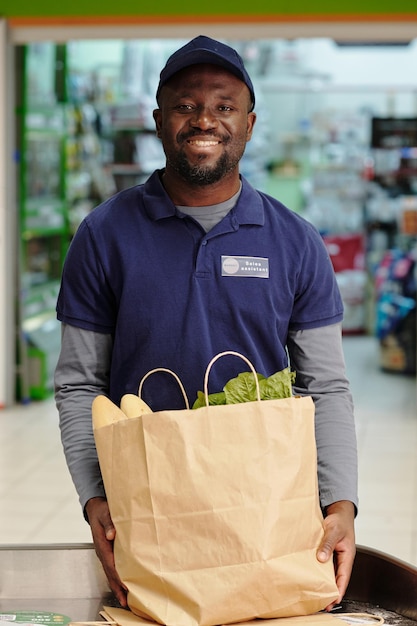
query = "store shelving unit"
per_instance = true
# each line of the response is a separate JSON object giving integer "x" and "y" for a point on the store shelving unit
{"x": 41, "y": 115}
{"x": 391, "y": 219}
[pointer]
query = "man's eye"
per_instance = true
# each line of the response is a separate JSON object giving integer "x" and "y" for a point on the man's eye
{"x": 184, "y": 107}
{"x": 225, "y": 108}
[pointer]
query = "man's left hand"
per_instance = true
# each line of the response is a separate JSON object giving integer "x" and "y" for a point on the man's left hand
{"x": 339, "y": 540}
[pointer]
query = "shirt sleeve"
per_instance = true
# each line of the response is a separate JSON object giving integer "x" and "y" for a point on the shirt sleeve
{"x": 81, "y": 374}
{"x": 317, "y": 357}
{"x": 85, "y": 298}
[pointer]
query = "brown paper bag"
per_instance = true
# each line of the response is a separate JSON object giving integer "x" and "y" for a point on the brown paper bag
{"x": 123, "y": 617}
{"x": 216, "y": 511}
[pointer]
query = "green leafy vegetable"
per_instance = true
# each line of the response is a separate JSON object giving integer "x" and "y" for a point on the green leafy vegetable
{"x": 279, "y": 385}
{"x": 214, "y": 399}
{"x": 243, "y": 389}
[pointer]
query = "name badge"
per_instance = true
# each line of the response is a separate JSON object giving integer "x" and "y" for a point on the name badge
{"x": 245, "y": 266}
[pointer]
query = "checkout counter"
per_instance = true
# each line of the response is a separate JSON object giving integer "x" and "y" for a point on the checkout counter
{"x": 68, "y": 580}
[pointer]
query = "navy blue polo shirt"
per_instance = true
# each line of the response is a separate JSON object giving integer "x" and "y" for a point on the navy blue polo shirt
{"x": 173, "y": 296}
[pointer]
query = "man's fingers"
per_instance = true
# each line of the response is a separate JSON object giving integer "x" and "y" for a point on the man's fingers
{"x": 327, "y": 545}
{"x": 106, "y": 556}
{"x": 104, "y": 533}
{"x": 338, "y": 543}
{"x": 110, "y": 532}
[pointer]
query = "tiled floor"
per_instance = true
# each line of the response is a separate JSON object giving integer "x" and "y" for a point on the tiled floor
{"x": 38, "y": 503}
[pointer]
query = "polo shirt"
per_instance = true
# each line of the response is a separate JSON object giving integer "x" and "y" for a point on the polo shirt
{"x": 173, "y": 296}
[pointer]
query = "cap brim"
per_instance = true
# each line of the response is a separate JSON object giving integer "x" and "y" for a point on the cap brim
{"x": 196, "y": 58}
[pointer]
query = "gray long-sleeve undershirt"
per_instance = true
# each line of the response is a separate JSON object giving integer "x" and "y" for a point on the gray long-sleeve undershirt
{"x": 316, "y": 355}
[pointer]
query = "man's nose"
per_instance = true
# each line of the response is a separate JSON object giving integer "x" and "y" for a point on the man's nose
{"x": 204, "y": 118}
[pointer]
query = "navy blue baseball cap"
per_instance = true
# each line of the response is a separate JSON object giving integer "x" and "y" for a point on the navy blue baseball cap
{"x": 206, "y": 50}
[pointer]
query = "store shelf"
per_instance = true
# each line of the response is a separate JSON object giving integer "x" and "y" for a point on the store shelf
{"x": 42, "y": 125}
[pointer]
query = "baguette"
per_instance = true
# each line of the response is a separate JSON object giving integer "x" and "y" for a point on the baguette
{"x": 105, "y": 412}
{"x": 133, "y": 406}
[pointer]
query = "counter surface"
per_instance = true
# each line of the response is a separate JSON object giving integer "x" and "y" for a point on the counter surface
{"x": 68, "y": 579}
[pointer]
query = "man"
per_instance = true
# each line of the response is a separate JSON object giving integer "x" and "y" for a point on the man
{"x": 192, "y": 263}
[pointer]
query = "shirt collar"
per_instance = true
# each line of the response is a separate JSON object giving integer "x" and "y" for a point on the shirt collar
{"x": 158, "y": 205}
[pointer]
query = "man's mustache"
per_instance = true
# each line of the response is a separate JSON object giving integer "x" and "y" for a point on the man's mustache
{"x": 202, "y": 133}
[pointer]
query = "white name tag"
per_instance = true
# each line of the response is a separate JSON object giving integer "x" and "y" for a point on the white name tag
{"x": 245, "y": 266}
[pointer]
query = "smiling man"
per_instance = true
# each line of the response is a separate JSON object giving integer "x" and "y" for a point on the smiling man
{"x": 204, "y": 121}
{"x": 192, "y": 263}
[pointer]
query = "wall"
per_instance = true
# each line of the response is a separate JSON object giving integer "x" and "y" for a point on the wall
{"x": 43, "y": 8}
{"x": 353, "y": 19}
{"x": 7, "y": 227}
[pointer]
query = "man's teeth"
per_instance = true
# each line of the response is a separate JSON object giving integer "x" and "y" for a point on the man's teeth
{"x": 201, "y": 143}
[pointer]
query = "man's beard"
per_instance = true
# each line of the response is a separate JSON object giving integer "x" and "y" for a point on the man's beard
{"x": 202, "y": 175}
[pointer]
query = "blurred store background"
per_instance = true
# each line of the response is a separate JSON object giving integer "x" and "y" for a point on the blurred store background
{"x": 335, "y": 140}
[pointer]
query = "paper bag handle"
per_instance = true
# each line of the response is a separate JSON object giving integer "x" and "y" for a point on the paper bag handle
{"x": 165, "y": 369}
{"x": 232, "y": 353}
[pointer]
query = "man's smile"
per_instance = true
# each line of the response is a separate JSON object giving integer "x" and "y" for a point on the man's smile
{"x": 203, "y": 143}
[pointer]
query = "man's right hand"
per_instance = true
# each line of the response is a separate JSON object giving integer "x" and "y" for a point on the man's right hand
{"x": 104, "y": 533}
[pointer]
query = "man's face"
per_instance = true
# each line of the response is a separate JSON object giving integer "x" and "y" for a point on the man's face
{"x": 204, "y": 123}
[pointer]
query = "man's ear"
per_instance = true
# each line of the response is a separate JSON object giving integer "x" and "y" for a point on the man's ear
{"x": 250, "y": 125}
{"x": 157, "y": 117}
